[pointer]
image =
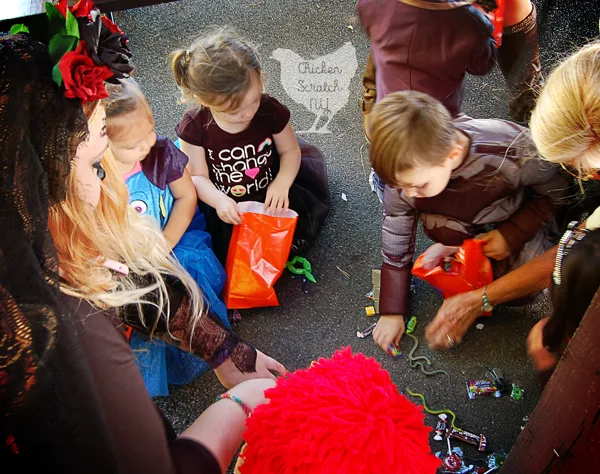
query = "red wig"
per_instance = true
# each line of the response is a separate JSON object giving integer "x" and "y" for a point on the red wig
{"x": 342, "y": 415}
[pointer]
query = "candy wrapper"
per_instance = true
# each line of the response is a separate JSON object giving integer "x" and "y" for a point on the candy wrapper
{"x": 476, "y": 388}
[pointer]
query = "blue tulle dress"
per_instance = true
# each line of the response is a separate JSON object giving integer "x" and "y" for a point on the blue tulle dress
{"x": 161, "y": 363}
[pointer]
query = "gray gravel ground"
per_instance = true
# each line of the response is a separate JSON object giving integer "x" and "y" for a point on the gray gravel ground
{"x": 308, "y": 326}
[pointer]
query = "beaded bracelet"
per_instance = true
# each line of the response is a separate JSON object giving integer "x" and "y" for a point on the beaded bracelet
{"x": 245, "y": 407}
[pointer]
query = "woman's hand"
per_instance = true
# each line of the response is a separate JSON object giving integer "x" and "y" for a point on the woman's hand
{"x": 227, "y": 210}
{"x": 229, "y": 375}
{"x": 496, "y": 246}
{"x": 277, "y": 196}
{"x": 453, "y": 320}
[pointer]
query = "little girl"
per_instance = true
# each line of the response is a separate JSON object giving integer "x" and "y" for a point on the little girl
{"x": 241, "y": 144}
{"x": 160, "y": 186}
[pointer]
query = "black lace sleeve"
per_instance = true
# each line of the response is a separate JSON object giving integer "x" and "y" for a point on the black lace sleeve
{"x": 208, "y": 339}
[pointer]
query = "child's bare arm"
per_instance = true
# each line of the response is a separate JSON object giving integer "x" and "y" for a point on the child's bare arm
{"x": 183, "y": 209}
{"x": 205, "y": 189}
{"x": 289, "y": 155}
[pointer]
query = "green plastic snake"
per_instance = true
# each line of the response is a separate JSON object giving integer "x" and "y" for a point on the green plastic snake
{"x": 417, "y": 361}
{"x": 429, "y": 410}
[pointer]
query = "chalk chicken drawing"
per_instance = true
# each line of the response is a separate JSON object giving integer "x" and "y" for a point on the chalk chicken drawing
{"x": 321, "y": 85}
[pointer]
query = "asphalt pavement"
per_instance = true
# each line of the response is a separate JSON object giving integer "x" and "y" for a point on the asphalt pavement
{"x": 308, "y": 326}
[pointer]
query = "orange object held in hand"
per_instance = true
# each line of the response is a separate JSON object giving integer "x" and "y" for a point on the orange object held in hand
{"x": 467, "y": 270}
{"x": 258, "y": 251}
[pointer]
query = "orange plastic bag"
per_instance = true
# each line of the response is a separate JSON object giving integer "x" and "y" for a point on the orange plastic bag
{"x": 467, "y": 270}
{"x": 258, "y": 251}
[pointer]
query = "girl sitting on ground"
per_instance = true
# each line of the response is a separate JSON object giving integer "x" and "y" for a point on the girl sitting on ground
{"x": 160, "y": 186}
{"x": 241, "y": 144}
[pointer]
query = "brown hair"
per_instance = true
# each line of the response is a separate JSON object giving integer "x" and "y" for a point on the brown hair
{"x": 123, "y": 99}
{"x": 216, "y": 70}
{"x": 409, "y": 129}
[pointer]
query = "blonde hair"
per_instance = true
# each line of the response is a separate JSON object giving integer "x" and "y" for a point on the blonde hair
{"x": 565, "y": 123}
{"x": 216, "y": 70}
{"x": 409, "y": 129}
{"x": 84, "y": 238}
{"x": 124, "y": 98}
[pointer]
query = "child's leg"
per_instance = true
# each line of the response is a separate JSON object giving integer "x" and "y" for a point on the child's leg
{"x": 543, "y": 360}
{"x": 519, "y": 58}
{"x": 309, "y": 196}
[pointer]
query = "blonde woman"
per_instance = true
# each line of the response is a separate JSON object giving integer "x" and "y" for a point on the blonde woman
{"x": 71, "y": 395}
{"x": 565, "y": 125}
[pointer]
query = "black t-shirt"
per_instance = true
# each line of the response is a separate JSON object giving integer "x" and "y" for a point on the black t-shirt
{"x": 241, "y": 165}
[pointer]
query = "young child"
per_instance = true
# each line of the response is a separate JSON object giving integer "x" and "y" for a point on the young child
{"x": 241, "y": 144}
{"x": 430, "y": 45}
{"x": 575, "y": 282}
{"x": 160, "y": 186}
{"x": 463, "y": 178}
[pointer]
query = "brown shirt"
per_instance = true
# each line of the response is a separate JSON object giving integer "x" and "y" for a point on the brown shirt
{"x": 501, "y": 182}
{"x": 427, "y": 47}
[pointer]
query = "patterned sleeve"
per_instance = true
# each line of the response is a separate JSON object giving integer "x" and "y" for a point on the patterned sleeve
{"x": 208, "y": 339}
{"x": 276, "y": 115}
{"x": 190, "y": 128}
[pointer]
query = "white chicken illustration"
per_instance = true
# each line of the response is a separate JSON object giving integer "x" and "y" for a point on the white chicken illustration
{"x": 322, "y": 85}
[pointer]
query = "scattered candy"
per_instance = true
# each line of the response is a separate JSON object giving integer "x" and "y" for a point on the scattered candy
{"x": 235, "y": 316}
{"x": 366, "y": 332}
{"x": 350, "y": 27}
{"x": 370, "y": 311}
{"x": 449, "y": 430}
{"x": 394, "y": 352}
{"x": 369, "y": 295}
{"x": 479, "y": 326}
{"x": 344, "y": 197}
{"x": 376, "y": 280}
{"x": 477, "y": 388}
{"x": 517, "y": 392}
{"x": 411, "y": 325}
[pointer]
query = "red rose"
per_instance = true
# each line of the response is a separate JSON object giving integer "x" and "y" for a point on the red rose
{"x": 62, "y": 7}
{"x": 82, "y": 78}
{"x": 113, "y": 28}
{"x": 82, "y": 8}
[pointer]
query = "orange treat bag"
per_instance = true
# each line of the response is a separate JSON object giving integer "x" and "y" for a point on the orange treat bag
{"x": 258, "y": 251}
{"x": 468, "y": 269}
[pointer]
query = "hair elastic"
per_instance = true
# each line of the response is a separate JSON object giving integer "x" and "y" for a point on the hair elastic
{"x": 186, "y": 59}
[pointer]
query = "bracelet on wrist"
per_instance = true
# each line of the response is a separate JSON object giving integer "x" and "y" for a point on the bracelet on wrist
{"x": 228, "y": 396}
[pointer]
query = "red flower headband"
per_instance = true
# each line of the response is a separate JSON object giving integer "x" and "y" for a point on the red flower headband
{"x": 86, "y": 49}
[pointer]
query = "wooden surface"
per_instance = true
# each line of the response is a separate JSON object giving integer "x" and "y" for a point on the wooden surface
{"x": 14, "y": 9}
{"x": 563, "y": 433}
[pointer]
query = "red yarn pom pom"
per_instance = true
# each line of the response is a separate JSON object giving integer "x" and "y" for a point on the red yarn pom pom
{"x": 343, "y": 415}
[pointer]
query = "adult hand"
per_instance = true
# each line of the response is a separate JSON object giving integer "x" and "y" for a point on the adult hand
{"x": 389, "y": 330}
{"x": 227, "y": 210}
{"x": 496, "y": 246}
{"x": 453, "y": 319}
{"x": 229, "y": 375}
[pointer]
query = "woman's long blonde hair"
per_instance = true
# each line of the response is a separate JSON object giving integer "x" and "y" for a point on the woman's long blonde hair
{"x": 565, "y": 123}
{"x": 85, "y": 237}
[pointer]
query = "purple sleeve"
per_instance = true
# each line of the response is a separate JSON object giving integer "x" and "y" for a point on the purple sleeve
{"x": 165, "y": 163}
{"x": 190, "y": 128}
{"x": 277, "y": 115}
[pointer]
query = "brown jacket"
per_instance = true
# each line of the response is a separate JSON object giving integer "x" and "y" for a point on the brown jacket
{"x": 427, "y": 46}
{"x": 502, "y": 182}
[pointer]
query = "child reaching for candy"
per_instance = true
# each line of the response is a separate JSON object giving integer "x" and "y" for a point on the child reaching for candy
{"x": 241, "y": 144}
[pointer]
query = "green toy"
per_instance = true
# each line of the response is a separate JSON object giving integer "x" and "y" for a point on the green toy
{"x": 305, "y": 270}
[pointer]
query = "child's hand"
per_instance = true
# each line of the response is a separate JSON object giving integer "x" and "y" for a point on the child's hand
{"x": 436, "y": 254}
{"x": 389, "y": 330}
{"x": 496, "y": 246}
{"x": 277, "y": 197}
{"x": 543, "y": 359}
{"x": 227, "y": 210}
